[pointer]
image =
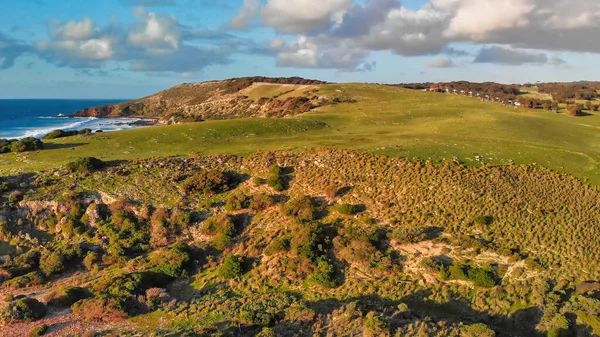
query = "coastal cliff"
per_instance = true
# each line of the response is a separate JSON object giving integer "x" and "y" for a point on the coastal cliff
{"x": 234, "y": 98}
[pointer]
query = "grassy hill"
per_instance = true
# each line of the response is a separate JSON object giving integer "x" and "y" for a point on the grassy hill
{"x": 317, "y": 223}
{"x": 383, "y": 120}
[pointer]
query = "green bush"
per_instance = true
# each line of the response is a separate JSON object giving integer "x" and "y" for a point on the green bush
{"x": 230, "y": 268}
{"x": 69, "y": 296}
{"x": 85, "y": 165}
{"x": 483, "y": 220}
{"x": 39, "y": 330}
{"x": 276, "y": 182}
{"x": 170, "y": 262}
{"x": 23, "y": 310}
{"x": 221, "y": 228}
{"x": 376, "y": 325}
{"x": 207, "y": 183}
{"x": 4, "y": 186}
{"x": 477, "y": 330}
{"x": 60, "y": 134}
{"x": 482, "y": 277}
{"x": 408, "y": 235}
{"x": 91, "y": 260}
{"x": 27, "y": 144}
{"x": 100, "y": 309}
{"x": 324, "y": 273}
{"x": 307, "y": 242}
{"x": 266, "y": 332}
{"x": 278, "y": 245}
{"x": 302, "y": 209}
{"x": 275, "y": 170}
{"x": 236, "y": 202}
{"x": 28, "y": 280}
{"x": 52, "y": 263}
{"x": 262, "y": 201}
{"x": 457, "y": 272}
{"x": 347, "y": 209}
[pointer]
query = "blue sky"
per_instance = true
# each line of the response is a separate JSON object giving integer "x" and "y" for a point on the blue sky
{"x": 132, "y": 48}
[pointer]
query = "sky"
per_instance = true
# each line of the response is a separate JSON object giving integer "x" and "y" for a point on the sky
{"x": 133, "y": 48}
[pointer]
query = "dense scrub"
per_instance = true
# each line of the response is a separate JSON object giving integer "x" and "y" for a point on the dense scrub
{"x": 193, "y": 102}
{"x": 351, "y": 242}
{"x": 23, "y": 145}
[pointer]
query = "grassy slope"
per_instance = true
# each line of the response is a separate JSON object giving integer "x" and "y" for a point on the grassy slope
{"x": 386, "y": 120}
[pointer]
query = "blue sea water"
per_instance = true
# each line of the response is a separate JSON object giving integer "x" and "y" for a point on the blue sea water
{"x": 33, "y": 117}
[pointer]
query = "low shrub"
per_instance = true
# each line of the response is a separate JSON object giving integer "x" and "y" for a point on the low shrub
{"x": 52, "y": 263}
{"x": 302, "y": 209}
{"x": 28, "y": 280}
{"x": 376, "y": 325}
{"x": 221, "y": 228}
{"x": 324, "y": 273}
{"x": 208, "y": 183}
{"x": 39, "y": 330}
{"x": 262, "y": 201}
{"x": 347, "y": 209}
{"x": 102, "y": 309}
{"x": 477, "y": 330}
{"x": 278, "y": 245}
{"x": 236, "y": 202}
{"x": 27, "y": 144}
{"x": 85, "y": 165}
{"x": 230, "y": 268}
{"x": 60, "y": 134}
{"x": 23, "y": 310}
{"x": 70, "y": 296}
{"x": 408, "y": 235}
{"x": 170, "y": 262}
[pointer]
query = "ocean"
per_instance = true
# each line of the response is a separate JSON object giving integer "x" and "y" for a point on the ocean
{"x": 33, "y": 117}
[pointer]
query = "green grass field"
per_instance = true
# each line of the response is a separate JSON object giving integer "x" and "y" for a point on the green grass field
{"x": 386, "y": 120}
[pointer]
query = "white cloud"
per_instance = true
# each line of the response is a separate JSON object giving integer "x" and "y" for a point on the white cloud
{"x": 301, "y": 16}
{"x": 474, "y": 19}
{"x": 246, "y": 14}
{"x": 308, "y": 52}
{"x": 443, "y": 62}
{"x": 158, "y": 34}
{"x": 72, "y": 30}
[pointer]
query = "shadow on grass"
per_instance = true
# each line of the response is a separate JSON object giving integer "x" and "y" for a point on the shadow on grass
{"x": 51, "y": 146}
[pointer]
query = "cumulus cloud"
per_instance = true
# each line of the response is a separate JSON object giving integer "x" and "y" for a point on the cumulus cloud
{"x": 309, "y": 52}
{"x": 246, "y": 14}
{"x": 509, "y": 56}
{"x": 72, "y": 30}
{"x": 443, "y": 62}
{"x": 10, "y": 50}
{"x": 301, "y": 16}
{"x": 160, "y": 35}
{"x": 475, "y": 19}
{"x": 152, "y": 43}
{"x": 433, "y": 29}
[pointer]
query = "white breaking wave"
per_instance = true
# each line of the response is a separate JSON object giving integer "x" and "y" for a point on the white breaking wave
{"x": 44, "y": 131}
{"x": 93, "y": 123}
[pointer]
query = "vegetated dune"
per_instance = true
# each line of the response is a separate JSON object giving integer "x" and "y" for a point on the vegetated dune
{"x": 289, "y": 243}
{"x": 234, "y": 98}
